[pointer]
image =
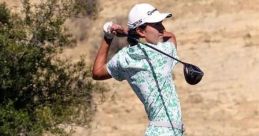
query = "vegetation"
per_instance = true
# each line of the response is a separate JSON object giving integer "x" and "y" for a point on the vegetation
{"x": 38, "y": 90}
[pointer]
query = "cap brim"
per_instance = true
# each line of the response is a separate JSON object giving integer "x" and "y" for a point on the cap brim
{"x": 157, "y": 17}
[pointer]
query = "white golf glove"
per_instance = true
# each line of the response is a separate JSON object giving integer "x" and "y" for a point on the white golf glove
{"x": 107, "y": 30}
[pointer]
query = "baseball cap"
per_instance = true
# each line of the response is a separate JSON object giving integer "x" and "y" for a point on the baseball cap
{"x": 145, "y": 13}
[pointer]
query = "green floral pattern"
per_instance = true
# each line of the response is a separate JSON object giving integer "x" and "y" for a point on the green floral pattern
{"x": 163, "y": 131}
{"x": 149, "y": 73}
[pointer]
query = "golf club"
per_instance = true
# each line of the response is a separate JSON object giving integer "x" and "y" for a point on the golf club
{"x": 192, "y": 73}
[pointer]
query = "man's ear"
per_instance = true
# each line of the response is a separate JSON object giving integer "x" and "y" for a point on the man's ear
{"x": 140, "y": 32}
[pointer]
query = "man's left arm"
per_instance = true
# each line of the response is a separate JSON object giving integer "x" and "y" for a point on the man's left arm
{"x": 168, "y": 36}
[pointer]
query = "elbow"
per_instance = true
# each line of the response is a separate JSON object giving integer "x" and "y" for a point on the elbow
{"x": 95, "y": 75}
{"x": 98, "y": 75}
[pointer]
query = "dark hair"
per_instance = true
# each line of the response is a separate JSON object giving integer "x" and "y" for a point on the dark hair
{"x": 132, "y": 35}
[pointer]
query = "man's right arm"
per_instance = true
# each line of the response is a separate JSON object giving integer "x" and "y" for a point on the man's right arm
{"x": 99, "y": 71}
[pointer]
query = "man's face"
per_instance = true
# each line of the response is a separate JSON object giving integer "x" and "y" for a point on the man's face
{"x": 153, "y": 32}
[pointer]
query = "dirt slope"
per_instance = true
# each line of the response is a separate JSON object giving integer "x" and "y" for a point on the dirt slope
{"x": 219, "y": 36}
{"x": 222, "y": 38}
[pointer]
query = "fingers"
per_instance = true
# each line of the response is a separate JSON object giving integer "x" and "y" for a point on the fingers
{"x": 110, "y": 30}
{"x": 116, "y": 27}
{"x": 118, "y": 30}
{"x": 114, "y": 32}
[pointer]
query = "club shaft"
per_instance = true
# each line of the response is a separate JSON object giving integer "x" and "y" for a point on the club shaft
{"x": 157, "y": 50}
{"x": 165, "y": 54}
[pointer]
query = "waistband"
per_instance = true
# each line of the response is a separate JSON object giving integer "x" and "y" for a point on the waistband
{"x": 167, "y": 124}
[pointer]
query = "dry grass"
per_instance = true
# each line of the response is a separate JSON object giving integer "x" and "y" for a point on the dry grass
{"x": 220, "y": 37}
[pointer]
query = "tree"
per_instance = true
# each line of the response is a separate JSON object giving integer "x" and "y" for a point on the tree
{"x": 38, "y": 90}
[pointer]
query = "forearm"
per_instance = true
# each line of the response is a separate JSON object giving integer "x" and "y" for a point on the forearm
{"x": 99, "y": 71}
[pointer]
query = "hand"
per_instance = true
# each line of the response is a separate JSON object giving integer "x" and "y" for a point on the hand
{"x": 118, "y": 30}
{"x": 110, "y": 30}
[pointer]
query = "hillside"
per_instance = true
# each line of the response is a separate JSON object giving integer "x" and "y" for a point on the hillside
{"x": 219, "y": 36}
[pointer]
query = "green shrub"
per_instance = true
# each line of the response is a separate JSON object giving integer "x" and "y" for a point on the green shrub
{"x": 38, "y": 90}
{"x": 5, "y": 14}
{"x": 86, "y": 8}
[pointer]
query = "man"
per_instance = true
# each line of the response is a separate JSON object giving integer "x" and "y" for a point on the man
{"x": 148, "y": 72}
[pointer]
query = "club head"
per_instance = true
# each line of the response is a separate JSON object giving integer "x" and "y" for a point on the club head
{"x": 192, "y": 74}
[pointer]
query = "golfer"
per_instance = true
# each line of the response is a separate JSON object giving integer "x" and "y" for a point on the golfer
{"x": 148, "y": 72}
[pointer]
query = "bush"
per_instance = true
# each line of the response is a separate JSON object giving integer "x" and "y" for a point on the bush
{"x": 86, "y": 8}
{"x": 38, "y": 90}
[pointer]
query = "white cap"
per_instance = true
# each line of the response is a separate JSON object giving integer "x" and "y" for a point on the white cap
{"x": 145, "y": 13}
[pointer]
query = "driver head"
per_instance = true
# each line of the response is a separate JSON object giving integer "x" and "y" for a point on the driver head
{"x": 192, "y": 74}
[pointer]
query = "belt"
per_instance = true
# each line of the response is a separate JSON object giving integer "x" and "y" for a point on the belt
{"x": 167, "y": 124}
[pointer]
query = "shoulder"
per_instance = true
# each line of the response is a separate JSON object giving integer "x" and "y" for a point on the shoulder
{"x": 117, "y": 59}
{"x": 170, "y": 37}
{"x": 119, "y": 55}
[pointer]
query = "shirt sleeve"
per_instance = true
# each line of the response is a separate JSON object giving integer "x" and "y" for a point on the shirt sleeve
{"x": 171, "y": 50}
{"x": 174, "y": 53}
{"x": 114, "y": 68}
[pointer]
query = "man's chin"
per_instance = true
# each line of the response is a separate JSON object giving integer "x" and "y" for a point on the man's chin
{"x": 160, "y": 40}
